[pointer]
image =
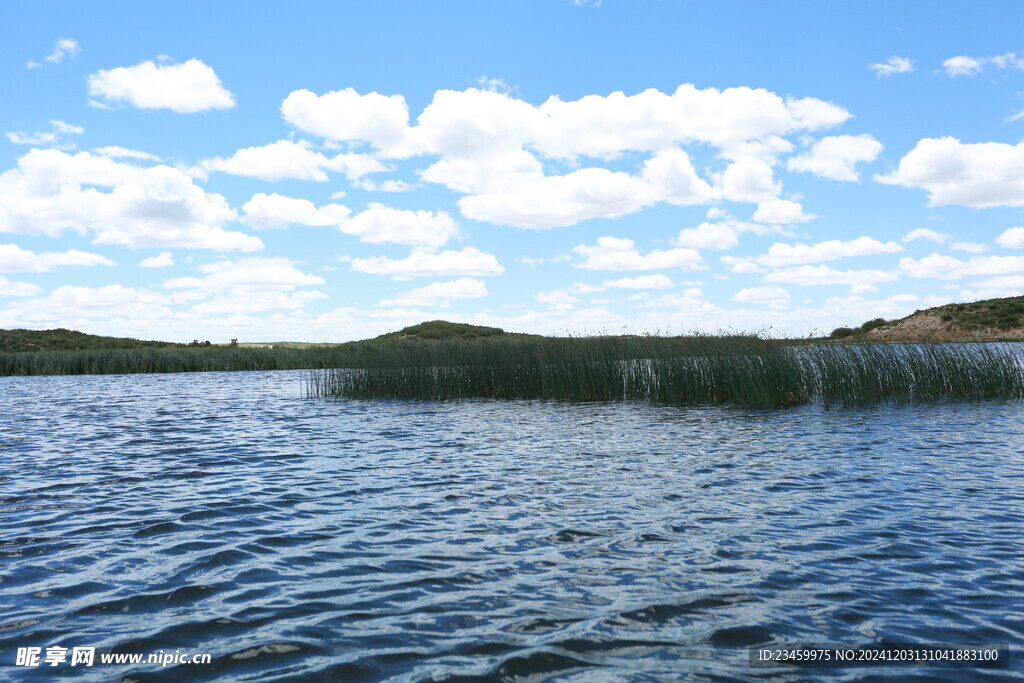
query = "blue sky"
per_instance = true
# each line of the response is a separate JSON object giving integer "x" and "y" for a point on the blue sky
{"x": 332, "y": 171}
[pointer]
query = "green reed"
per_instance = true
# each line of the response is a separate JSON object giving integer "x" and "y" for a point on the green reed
{"x": 741, "y": 370}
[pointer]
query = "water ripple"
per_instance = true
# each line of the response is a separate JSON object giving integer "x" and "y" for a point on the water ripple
{"x": 318, "y": 540}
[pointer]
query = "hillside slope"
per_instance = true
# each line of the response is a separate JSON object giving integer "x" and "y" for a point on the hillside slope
{"x": 989, "y": 319}
{"x": 12, "y": 341}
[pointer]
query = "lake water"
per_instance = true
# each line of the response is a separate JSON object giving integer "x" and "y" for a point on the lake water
{"x": 297, "y": 539}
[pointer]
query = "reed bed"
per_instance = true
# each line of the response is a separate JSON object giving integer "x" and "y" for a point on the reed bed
{"x": 745, "y": 371}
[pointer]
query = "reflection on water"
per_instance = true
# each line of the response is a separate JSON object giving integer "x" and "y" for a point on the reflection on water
{"x": 334, "y": 540}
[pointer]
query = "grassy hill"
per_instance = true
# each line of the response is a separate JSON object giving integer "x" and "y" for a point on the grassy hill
{"x": 988, "y": 319}
{"x": 12, "y": 341}
{"x": 441, "y": 329}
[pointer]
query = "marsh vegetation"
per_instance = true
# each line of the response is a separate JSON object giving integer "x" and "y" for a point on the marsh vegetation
{"x": 745, "y": 371}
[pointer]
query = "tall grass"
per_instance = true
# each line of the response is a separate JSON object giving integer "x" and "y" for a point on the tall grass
{"x": 740, "y": 370}
{"x": 743, "y": 370}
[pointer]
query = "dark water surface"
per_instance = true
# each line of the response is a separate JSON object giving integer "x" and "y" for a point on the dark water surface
{"x": 344, "y": 540}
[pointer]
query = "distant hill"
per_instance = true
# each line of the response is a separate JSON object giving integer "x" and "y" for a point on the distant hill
{"x": 70, "y": 340}
{"x": 977, "y": 321}
{"x": 441, "y": 329}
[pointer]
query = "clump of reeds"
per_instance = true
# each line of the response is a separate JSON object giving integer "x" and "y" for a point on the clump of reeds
{"x": 741, "y": 370}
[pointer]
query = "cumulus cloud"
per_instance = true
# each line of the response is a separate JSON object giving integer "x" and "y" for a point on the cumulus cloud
{"x": 780, "y": 254}
{"x": 773, "y": 296}
{"x": 51, "y": 138}
{"x": 376, "y": 224}
{"x": 994, "y": 287}
{"x": 782, "y": 211}
{"x": 969, "y": 247}
{"x": 943, "y": 267}
{"x": 614, "y": 253}
{"x": 380, "y": 223}
{"x": 719, "y": 236}
{"x": 553, "y": 201}
{"x": 67, "y": 305}
{"x": 288, "y": 160}
{"x": 249, "y": 285}
{"x": 467, "y": 261}
{"x": 161, "y": 260}
{"x": 655, "y": 281}
{"x": 184, "y": 88}
{"x": 63, "y": 47}
{"x": 491, "y": 145}
{"x": 14, "y": 259}
{"x": 963, "y": 65}
{"x": 12, "y": 288}
{"x": 268, "y": 211}
{"x": 836, "y": 157}
{"x": 1013, "y": 238}
{"x": 557, "y": 300}
{"x": 825, "y": 275}
{"x": 925, "y": 234}
{"x": 977, "y": 175}
{"x": 116, "y": 152}
{"x": 892, "y": 66}
{"x": 440, "y": 293}
{"x": 345, "y": 115}
{"x": 50, "y": 192}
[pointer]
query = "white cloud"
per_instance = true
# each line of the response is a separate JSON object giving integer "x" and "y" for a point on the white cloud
{"x": 720, "y": 236}
{"x": 376, "y": 224}
{"x": 440, "y": 293}
{"x": 63, "y": 47}
{"x": 775, "y": 297}
{"x": 893, "y": 65}
{"x": 161, "y": 260}
{"x": 246, "y": 285}
{"x": 742, "y": 265}
{"x": 925, "y": 234}
{"x": 977, "y": 175}
{"x": 68, "y": 305}
{"x": 1012, "y": 238}
{"x": 268, "y": 211}
{"x": 780, "y": 254}
{"x": 467, "y": 261}
{"x": 184, "y": 88}
{"x": 557, "y": 300}
{"x": 825, "y": 275}
{"x": 554, "y": 201}
{"x": 14, "y": 259}
{"x": 384, "y": 185}
{"x": 490, "y": 144}
{"x": 944, "y": 267}
{"x": 782, "y": 211}
{"x": 270, "y": 272}
{"x": 380, "y": 223}
{"x": 47, "y": 139}
{"x": 969, "y": 247}
{"x": 863, "y": 289}
{"x": 836, "y": 157}
{"x": 962, "y": 66}
{"x": 969, "y": 66}
{"x": 288, "y": 160}
{"x": 51, "y": 192}
{"x": 613, "y": 253}
{"x": 381, "y": 120}
{"x": 994, "y": 287}
{"x": 749, "y": 180}
{"x": 655, "y": 281}
{"x": 115, "y": 152}
{"x": 11, "y": 288}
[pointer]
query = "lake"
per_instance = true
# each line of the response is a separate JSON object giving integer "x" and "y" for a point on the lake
{"x": 297, "y": 539}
